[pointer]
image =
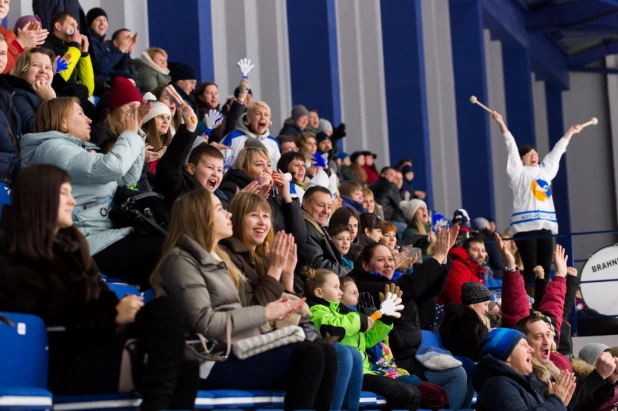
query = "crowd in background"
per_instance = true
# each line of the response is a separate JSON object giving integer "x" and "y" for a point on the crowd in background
{"x": 276, "y": 249}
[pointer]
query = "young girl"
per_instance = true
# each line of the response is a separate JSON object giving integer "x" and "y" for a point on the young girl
{"x": 359, "y": 331}
{"x": 156, "y": 125}
{"x": 383, "y": 362}
{"x": 370, "y": 229}
{"x": 347, "y": 216}
{"x": 340, "y": 235}
{"x": 369, "y": 203}
{"x": 418, "y": 231}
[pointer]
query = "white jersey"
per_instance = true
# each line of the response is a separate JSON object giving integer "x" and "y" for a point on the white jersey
{"x": 533, "y": 204}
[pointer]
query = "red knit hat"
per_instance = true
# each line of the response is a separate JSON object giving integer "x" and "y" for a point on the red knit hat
{"x": 123, "y": 92}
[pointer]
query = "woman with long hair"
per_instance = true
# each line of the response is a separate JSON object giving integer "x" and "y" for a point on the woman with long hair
{"x": 268, "y": 262}
{"x": 61, "y": 138}
{"x": 358, "y": 163}
{"x": 199, "y": 275}
{"x": 252, "y": 172}
{"x": 157, "y": 127}
{"x": 419, "y": 231}
{"x": 46, "y": 270}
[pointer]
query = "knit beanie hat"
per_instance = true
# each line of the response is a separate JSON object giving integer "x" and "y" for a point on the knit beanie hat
{"x": 342, "y": 155}
{"x": 473, "y": 292}
{"x": 500, "y": 342}
{"x": 93, "y": 14}
{"x": 123, "y": 92}
{"x": 325, "y": 125}
{"x": 23, "y": 20}
{"x": 354, "y": 156}
{"x": 298, "y": 111}
{"x": 321, "y": 136}
{"x": 409, "y": 208}
{"x": 158, "y": 108}
{"x": 183, "y": 72}
{"x": 590, "y": 352}
{"x": 480, "y": 223}
{"x": 461, "y": 216}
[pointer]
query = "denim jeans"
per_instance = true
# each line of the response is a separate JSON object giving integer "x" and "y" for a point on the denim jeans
{"x": 455, "y": 382}
{"x": 349, "y": 378}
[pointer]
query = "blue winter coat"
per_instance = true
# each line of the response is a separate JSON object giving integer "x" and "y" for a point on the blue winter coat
{"x": 10, "y": 135}
{"x": 95, "y": 177}
{"x": 25, "y": 100}
{"x": 104, "y": 54}
{"x": 500, "y": 387}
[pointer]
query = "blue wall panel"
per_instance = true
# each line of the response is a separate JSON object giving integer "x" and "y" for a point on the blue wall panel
{"x": 406, "y": 93}
{"x": 314, "y": 62}
{"x": 472, "y": 121}
{"x": 518, "y": 92}
{"x": 183, "y": 28}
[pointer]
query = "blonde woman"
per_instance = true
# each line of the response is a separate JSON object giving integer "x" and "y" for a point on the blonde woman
{"x": 152, "y": 71}
{"x": 418, "y": 231}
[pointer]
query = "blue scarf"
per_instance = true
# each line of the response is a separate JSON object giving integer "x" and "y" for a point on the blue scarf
{"x": 396, "y": 275}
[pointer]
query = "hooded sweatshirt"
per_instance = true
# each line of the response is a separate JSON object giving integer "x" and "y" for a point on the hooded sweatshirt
{"x": 236, "y": 139}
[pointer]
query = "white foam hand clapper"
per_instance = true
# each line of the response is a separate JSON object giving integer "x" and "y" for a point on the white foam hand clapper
{"x": 391, "y": 306}
{"x": 212, "y": 119}
{"x": 245, "y": 67}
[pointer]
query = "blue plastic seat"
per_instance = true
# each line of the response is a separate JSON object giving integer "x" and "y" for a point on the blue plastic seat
{"x": 431, "y": 339}
{"x": 23, "y": 355}
{"x": 122, "y": 290}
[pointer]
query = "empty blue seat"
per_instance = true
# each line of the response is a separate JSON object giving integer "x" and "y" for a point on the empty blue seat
{"x": 122, "y": 290}
{"x": 23, "y": 359}
{"x": 431, "y": 339}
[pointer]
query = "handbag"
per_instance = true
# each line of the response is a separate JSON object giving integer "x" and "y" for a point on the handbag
{"x": 145, "y": 212}
{"x": 204, "y": 349}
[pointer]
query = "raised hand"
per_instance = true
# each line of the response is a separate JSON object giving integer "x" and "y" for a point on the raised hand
{"x": 129, "y": 118}
{"x": 84, "y": 43}
{"x": 245, "y": 67}
{"x": 563, "y": 387}
{"x": 390, "y": 288}
{"x": 287, "y": 275}
{"x": 454, "y": 231}
{"x": 189, "y": 117}
{"x": 560, "y": 260}
{"x": 498, "y": 119}
{"x": 243, "y": 90}
{"x": 277, "y": 255}
{"x": 283, "y": 185}
{"x": 572, "y": 271}
{"x": 539, "y": 271}
{"x": 605, "y": 365}
{"x": 507, "y": 257}
{"x": 442, "y": 245}
{"x": 213, "y": 119}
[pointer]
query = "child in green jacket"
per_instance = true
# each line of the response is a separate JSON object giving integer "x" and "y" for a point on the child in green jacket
{"x": 358, "y": 330}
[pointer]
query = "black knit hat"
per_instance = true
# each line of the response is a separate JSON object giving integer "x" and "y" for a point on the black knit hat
{"x": 472, "y": 293}
{"x": 183, "y": 72}
{"x": 321, "y": 136}
{"x": 94, "y": 13}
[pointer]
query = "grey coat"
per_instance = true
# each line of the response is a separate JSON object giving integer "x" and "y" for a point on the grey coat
{"x": 203, "y": 287}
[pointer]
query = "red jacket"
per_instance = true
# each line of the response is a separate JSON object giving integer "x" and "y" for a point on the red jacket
{"x": 463, "y": 270}
{"x": 515, "y": 305}
{"x": 15, "y": 49}
{"x": 372, "y": 174}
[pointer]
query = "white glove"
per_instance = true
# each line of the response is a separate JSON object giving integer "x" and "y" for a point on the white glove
{"x": 391, "y": 306}
{"x": 245, "y": 67}
{"x": 212, "y": 119}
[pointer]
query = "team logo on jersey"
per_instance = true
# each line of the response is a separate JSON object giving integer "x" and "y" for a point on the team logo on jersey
{"x": 540, "y": 189}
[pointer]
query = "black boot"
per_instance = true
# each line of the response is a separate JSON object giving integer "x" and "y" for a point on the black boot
{"x": 187, "y": 386}
{"x": 160, "y": 347}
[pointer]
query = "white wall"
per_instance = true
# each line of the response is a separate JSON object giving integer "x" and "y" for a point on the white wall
{"x": 361, "y": 68}
{"x": 242, "y": 29}
{"x": 540, "y": 116}
{"x": 440, "y": 85}
{"x": 130, "y": 14}
{"x": 589, "y": 161}
{"x": 503, "y": 195}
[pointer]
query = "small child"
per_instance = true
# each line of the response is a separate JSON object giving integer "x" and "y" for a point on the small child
{"x": 381, "y": 357}
{"x": 352, "y": 196}
{"x": 358, "y": 330}
{"x": 370, "y": 204}
{"x": 345, "y": 171}
{"x": 340, "y": 234}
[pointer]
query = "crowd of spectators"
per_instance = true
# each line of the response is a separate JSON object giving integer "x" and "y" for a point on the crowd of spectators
{"x": 275, "y": 250}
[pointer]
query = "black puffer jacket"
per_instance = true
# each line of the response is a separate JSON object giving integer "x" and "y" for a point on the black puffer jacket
{"x": 420, "y": 290}
{"x": 462, "y": 331}
{"x": 387, "y": 195}
{"x": 500, "y": 387}
{"x": 10, "y": 134}
{"x": 285, "y": 216}
{"x": 26, "y": 101}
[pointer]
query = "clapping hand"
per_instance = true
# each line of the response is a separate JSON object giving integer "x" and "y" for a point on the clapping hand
{"x": 62, "y": 63}
{"x": 391, "y": 306}
{"x": 563, "y": 387}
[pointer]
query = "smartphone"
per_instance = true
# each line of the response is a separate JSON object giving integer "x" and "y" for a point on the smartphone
{"x": 413, "y": 251}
